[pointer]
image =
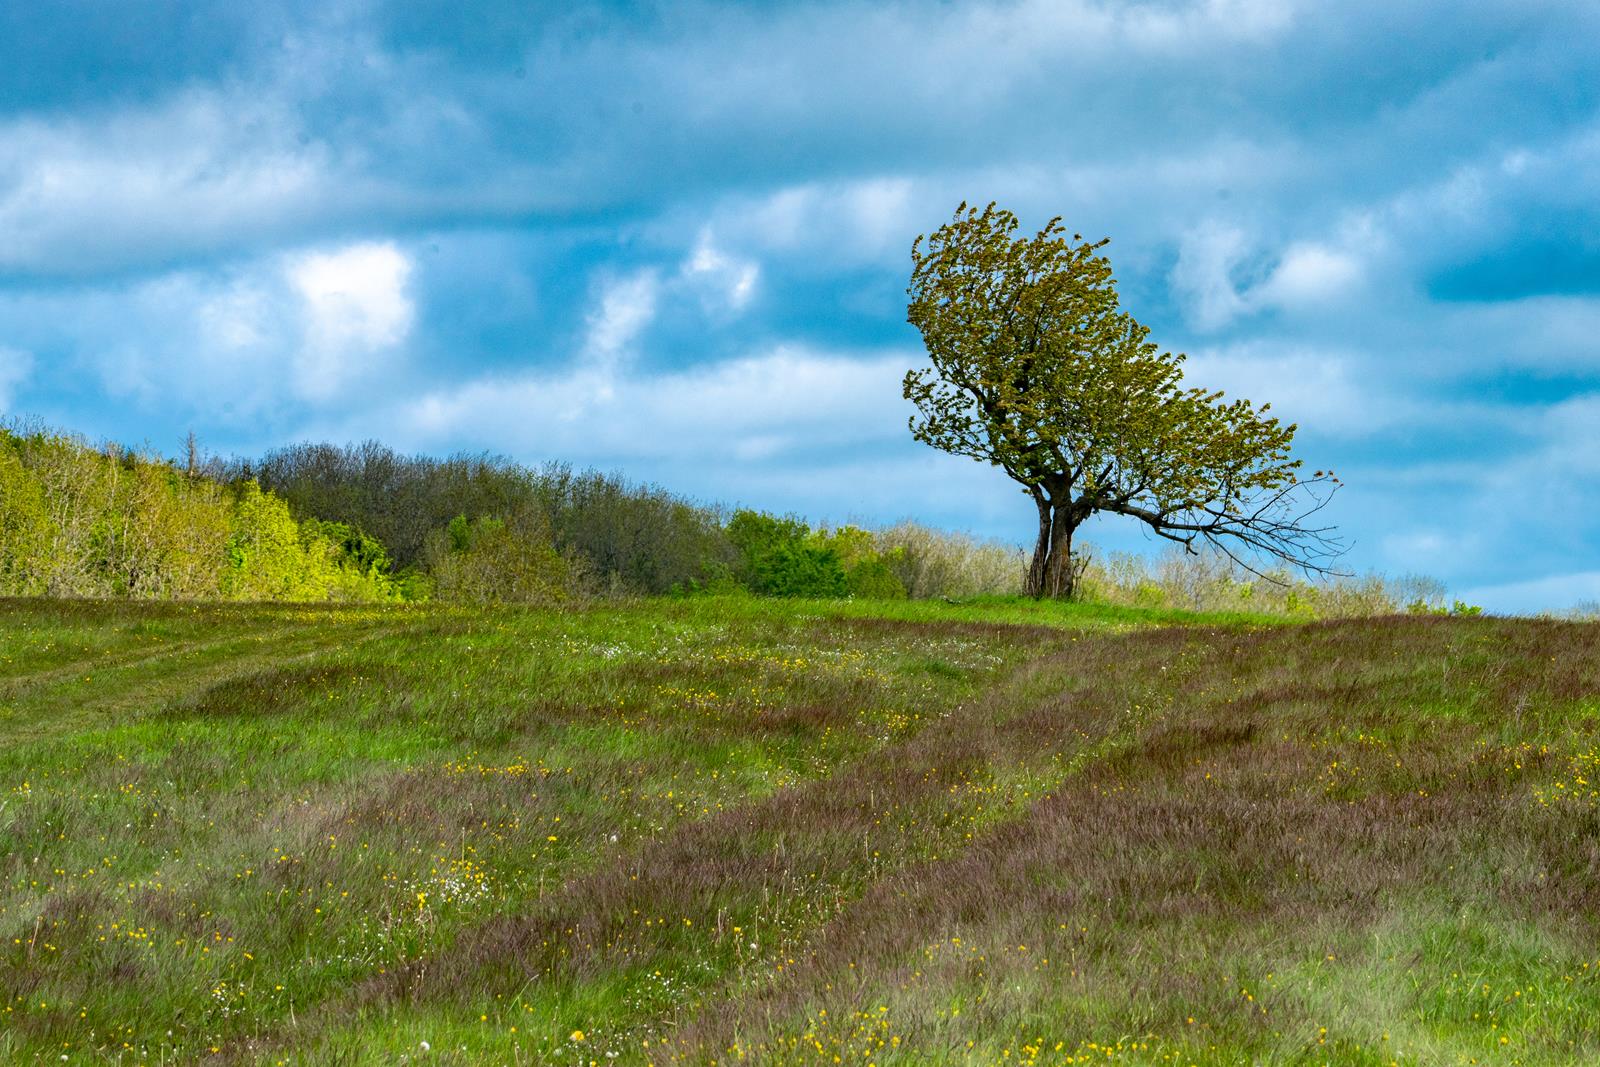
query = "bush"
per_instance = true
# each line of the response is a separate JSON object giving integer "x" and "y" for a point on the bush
{"x": 937, "y": 563}
{"x": 272, "y": 557}
{"x": 630, "y": 539}
{"x": 24, "y": 528}
{"x": 784, "y": 557}
{"x": 1208, "y": 580}
{"x": 399, "y": 500}
{"x": 492, "y": 560}
{"x": 874, "y": 579}
{"x": 778, "y": 557}
{"x": 867, "y": 574}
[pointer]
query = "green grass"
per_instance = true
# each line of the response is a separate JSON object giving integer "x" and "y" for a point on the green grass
{"x": 742, "y": 830}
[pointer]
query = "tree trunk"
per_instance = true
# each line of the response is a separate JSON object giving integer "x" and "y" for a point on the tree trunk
{"x": 1052, "y": 572}
{"x": 1034, "y": 584}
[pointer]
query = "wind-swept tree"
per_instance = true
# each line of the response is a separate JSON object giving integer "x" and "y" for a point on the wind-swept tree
{"x": 1038, "y": 371}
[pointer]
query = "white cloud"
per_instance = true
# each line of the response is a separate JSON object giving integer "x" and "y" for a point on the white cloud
{"x": 356, "y": 311}
{"x": 627, "y": 306}
{"x": 237, "y": 343}
{"x": 1203, "y": 276}
{"x": 1309, "y": 274}
{"x": 780, "y": 402}
{"x": 1213, "y": 256}
{"x": 95, "y": 192}
{"x": 237, "y": 317}
{"x": 1320, "y": 389}
{"x": 217, "y": 342}
{"x": 1180, "y": 27}
{"x": 836, "y": 222}
{"x": 729, "y": 279}
{"x": 15, "y": 365}
{"x": 1542, "y": 333}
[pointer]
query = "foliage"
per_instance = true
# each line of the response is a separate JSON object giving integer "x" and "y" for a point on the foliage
{"x": 635, "y": 539}
{"x": 778, "y": 557}
{"x": 24, "y": 527}
{"x": 399, "y": 500}
{"x": 1457, "y": 608}
{"x": 868, "y": 573}
{"x": 489, "y": 560}
{"x": 629, "y": 539}
{"x": 784, "y": 557}
{"x": 77, "y": 521}
{"x": 1038, "y": 371}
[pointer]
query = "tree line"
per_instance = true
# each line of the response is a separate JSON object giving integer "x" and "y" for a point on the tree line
{"x": 78, "y": 521}
{"x": 314, "y": 522}
{"x": 364, "y": 522}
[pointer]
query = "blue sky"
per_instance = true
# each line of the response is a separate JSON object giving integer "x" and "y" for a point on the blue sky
{"x": 673, "y": 239}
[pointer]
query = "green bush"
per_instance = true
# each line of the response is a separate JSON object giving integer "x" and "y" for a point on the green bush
{"x": 632, "y": 539}
{"x": 784, "y": 557}
{"x": 24, "y": 527}
{"x": 629, "y": 538}
{"x": 873, "y": 579}
{"x": 867, "y": 573}
{"x": 799, "y": 569}
{"x": 778, "y": 559}
{"x": 488, "y": 559}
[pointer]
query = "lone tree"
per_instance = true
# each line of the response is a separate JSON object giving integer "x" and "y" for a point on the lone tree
{"x": 1038, "y": 371}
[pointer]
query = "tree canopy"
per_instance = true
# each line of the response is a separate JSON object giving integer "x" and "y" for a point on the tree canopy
{"x": 1036, "y": 369}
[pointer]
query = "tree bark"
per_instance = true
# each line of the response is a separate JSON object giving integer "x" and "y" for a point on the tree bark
{"x": 1051, "y": 572}
{"x": 1034, "y": 584}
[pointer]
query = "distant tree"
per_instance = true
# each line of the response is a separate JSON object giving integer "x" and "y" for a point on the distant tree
{"x": 1038, "y": 371}
{"x": 631, "y": 538}
{"x": 25, "y": 528}
{"x": 634, "y": 538}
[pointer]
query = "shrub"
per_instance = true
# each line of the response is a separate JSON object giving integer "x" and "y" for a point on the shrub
{"x": 24, "y": 527}
{"x": 630, "y": 539}
{"x": 867, "y": 574}
{"x": 937, "y": 563}
{"x": 874, "y": 579}
{"x": 399, "y": 500}
{"x": 272, "y": 557}
{"x": 489, "y": 559}
{"x": 778, "y": 557}
{"x": 1210, "y": 581}
{"x": 799, "y": 569}
{"x": 81, "y": 521}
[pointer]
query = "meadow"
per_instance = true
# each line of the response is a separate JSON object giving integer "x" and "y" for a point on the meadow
{"x": 722, "y": 830}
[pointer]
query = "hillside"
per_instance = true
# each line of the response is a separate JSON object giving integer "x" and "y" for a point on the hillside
{"x": 742, "y": 830}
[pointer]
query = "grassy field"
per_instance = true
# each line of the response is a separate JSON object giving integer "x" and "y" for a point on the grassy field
{"x": 721, "y": 831}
